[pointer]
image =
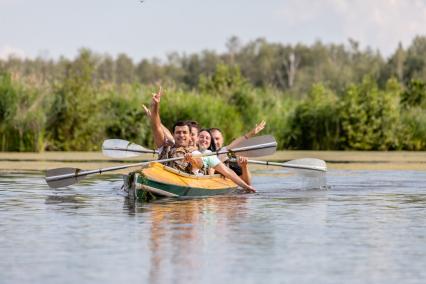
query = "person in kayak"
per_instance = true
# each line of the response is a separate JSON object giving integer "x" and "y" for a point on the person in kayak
{"x": 210, "y": 164}
{"x": 240, "y": 166}
{"x": 170, "y": 147}
{"x": 195, "y": 129}
{"x": 181, "y": 146}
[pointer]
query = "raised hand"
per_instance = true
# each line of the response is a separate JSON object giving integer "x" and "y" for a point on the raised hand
{"x": 147, "y": 110}
{"x": 259, "y": 127}
{"x": 156, "y": 97}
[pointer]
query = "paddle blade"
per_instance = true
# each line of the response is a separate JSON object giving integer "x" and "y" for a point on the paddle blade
{"x": 307, "y": 164}
{"x": 51, "y": 174}
{"x": 312, "y": 172}
{"x": 118, "y": 148}
{"x": 258, "y": 140}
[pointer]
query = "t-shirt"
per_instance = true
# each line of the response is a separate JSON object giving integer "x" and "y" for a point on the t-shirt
{"x": 208, "y": 161}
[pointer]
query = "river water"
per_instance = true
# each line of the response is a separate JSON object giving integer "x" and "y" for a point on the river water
{"x": 368, "y": 227}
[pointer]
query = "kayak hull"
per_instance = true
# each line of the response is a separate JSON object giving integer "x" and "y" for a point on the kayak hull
{"x": 158, "y": 181}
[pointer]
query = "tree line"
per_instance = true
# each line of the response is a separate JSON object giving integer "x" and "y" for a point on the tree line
{"x": 318, "y": 97}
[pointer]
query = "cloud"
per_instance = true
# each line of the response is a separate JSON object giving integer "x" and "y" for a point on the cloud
{"x": 7, "y": 51}
{"x": 377, "y": 23}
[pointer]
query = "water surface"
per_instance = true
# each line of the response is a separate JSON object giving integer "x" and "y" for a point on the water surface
{"x": 368, "y": 227}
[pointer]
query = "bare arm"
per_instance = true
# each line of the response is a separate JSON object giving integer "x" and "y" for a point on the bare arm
{"x": 245, "y": 176}
{"x": 259, "y": 127}
{"x": 224, "y": 170}
{"x": 167, "y": 134}
{"x": 159, "y": 137}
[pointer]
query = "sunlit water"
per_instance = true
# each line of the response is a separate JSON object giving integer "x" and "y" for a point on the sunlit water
{"x": 368, "y": 227}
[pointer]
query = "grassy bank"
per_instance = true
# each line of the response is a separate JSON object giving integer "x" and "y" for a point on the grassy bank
{"x": 356, "y": 160}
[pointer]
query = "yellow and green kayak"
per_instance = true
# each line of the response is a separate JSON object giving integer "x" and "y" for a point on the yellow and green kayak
{"x": 158, "y": 180}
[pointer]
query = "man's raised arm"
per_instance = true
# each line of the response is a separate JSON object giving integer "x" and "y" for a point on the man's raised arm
{"x": 157, "y": 130}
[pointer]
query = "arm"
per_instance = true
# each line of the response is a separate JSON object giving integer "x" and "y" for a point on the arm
{"x": 245, "y": 176}
{"x": 168, "y": 135}
{"x": 221, "y": 168}
{"x": 259, "y": 127}
{"x": 159, "y": 137}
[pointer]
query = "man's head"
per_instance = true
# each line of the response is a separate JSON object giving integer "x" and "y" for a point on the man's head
{"x": 182, "y": 134}
{"x": 217, "y": 137}
{"x": 195, "y": 129}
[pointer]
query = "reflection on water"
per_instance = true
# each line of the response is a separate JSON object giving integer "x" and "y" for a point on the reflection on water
{"x": 368, "y": 227}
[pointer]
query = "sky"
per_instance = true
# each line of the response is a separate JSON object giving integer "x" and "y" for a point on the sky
{"x": 51, "y": 28}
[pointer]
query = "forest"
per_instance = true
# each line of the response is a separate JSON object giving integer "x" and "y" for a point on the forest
{"x": 313, "y": 97}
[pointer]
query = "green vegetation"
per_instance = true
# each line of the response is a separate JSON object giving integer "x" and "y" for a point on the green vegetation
{"x": 318, "y": 97}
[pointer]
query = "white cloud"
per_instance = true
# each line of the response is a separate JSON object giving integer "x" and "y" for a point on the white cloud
{"x": 7, "y": 51}
{"x": 377, "y": 23}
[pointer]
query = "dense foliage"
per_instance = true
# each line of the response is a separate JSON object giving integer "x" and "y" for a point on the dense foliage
{"x": 312, "y": 97}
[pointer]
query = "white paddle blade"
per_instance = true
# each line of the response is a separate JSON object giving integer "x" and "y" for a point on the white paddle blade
{"x": 307, "y": 164}
{"x": 118, "y": 148}
{"x": 258, "y": 140}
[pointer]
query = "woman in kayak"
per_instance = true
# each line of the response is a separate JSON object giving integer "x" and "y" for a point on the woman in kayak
{"x": 210, "y": 164}
{"x": 240, "y": 166}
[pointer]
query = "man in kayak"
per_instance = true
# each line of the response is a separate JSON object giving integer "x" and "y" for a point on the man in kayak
{"x": 181, "y": 146}
{"x": 195, "y": 129}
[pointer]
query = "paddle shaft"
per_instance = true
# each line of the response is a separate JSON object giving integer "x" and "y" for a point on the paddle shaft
{"x": 286, "y": 165}
{"x": 79, "y": 173}
{"x": 147, "y": 151}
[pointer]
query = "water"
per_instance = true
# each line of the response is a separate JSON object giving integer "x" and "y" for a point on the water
{"x": 368, "y": 227}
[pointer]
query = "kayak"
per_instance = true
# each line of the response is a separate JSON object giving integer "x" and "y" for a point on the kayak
{"x": 158, "y": 180}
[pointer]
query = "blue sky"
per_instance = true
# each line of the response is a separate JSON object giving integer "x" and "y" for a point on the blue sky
{"x": 51, "y": 28}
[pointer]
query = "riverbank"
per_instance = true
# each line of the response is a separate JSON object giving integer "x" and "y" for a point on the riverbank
{"x": 355, "y": 160}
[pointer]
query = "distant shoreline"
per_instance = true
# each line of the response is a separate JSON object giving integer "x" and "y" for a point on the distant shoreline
{"x": 345, "y": 160}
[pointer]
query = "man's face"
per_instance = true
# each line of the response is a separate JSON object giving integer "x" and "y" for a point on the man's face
{"x": 217, "y": 138}
{"x": 194, "y": 137}
{"x": 182, "y": 136}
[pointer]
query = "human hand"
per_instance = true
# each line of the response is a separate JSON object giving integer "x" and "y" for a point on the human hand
{"x": 147, "y": 111}
{"x": 250, "y": 189}
{"x": 242, "y": 161}
{"x": 188, "y": 157}
{"x": 259, "y": 127}
{"x": 156, "y": 97}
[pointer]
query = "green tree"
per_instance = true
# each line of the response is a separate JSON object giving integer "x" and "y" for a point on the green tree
{"x": 370, "y": 117}
{"x": 315, "y": 122}
{"x": 74, "y": 122}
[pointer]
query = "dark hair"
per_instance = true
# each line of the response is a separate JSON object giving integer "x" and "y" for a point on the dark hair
{"x": 193, "y": 124}
{"x": 216, "y": 129}
{"x": 212, "y": 146}
{"x": 182, "y": 123}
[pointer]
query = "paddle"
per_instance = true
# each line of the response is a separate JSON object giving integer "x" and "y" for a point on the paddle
{"x": 67, "y": 176}
{"x": 118, "y": 148}
{"x": 302, "y": 164}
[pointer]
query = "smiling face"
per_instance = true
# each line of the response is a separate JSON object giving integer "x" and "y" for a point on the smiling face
{"x": 194, "y": 136}
{"x": 217, "y": 138}
{"x": 204, "y": 140}
{"x": 182, "y": 136}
